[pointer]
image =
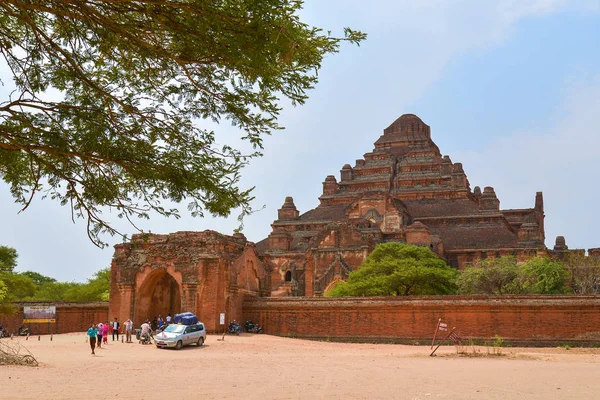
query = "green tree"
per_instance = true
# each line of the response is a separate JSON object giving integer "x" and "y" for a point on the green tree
{"x": 15, "y": 287}
{"x": 5, "y": 306}
{"x": 19, "y": 286}
{"x": 494, "y": 276}
{"x": 396, "y": 269}
{"x": 540, "y": 275}
{"x": 54, "y": 291}
{"x": 37, "y": 278}
{"x": 96, "y": 288}
{"x": 8, "y": 258}
{"x": 131, "y": 83}
{"x": 8, "y": 262}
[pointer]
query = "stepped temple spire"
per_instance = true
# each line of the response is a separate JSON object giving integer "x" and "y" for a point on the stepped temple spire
{"x": 403, "y": 190}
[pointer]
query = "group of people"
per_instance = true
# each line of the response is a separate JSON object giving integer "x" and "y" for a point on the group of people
{"x": 98, "y": 333}
{"x": 158, "y": 322}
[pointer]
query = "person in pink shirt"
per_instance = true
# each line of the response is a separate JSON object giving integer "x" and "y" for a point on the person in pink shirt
{"x": 105, "y": 333}
{"x": 100, "y": 329}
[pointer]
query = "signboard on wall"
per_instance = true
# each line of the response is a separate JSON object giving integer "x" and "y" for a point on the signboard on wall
{"x": 39, "y": 314}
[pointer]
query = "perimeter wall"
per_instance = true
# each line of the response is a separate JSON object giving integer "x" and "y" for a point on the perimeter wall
{"x": 517, "y": 319}
{"x": 532, "y": 320}
{"x": 70, "y": 317}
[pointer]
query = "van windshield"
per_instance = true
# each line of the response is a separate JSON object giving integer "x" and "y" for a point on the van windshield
{"x": 175, "y": 328}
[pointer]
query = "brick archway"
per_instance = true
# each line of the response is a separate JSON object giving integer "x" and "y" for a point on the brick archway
{"x": 159, "y": 294}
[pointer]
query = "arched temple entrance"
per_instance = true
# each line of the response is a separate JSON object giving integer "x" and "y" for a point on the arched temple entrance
{"x": 159, "y": 294}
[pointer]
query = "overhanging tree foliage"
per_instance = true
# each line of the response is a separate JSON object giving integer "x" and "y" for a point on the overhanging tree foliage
{"x": 110, "y": 96}
{"x": 396, "y": 269}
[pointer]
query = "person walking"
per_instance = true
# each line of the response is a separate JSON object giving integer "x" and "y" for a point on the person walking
{"x": 128, "y": 330}
{"x": 105, "y": 332}
{"x": 99, "y": 330}
{"x": 92, "y": 333}
{"x": 115, "y": 326}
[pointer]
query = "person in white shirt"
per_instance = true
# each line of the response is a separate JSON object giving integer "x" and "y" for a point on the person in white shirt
{"x": 128, "y": 330}
{"x": 115, "y": 328}
{"x": 168, "y": 319}
{"x": 100, "y": 330}
{"x": 146, "y": 330}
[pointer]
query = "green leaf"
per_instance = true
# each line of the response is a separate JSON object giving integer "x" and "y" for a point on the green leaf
{"x": 136, "y": 83}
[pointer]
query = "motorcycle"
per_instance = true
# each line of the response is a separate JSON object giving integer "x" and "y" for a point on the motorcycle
{"x": 253, "y": 327}
{"x": 234, "y": 328}
{"x": 23, "y": 331}
{"x": 145, "y": 338}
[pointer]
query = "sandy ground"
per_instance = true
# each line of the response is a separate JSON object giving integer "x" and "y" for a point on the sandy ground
{"x": 268, "y": 367}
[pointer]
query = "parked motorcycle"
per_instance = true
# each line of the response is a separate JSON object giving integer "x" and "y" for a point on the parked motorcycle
{"x": 234, "y": 328}
{"x": 253, "y": 327}
{"x": 23, "y": 331}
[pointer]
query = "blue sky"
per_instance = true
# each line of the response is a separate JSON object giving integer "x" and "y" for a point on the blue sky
{"x": 510, "y": 89}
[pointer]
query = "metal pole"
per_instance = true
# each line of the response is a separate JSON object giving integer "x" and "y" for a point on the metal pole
{"x": 435, "y": 333}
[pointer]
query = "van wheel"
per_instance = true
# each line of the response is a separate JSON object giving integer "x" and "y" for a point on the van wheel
{"x": 200, "y": 341}
{"x": 179, "y": 345}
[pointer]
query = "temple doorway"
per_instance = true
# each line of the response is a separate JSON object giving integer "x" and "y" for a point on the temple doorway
{"x": 158, "y": 295}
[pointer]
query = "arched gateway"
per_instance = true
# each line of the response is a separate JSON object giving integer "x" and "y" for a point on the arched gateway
{"x": 203, "y": 272}
{"x": 159, "y": 294}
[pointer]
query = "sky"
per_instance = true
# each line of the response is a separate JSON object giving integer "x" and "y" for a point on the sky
{"x": 509, "y": 88}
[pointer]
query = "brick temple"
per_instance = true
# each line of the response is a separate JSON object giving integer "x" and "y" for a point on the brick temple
{"x": 403, "y": 190}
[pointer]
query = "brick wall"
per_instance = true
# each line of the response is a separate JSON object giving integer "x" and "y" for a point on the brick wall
{"x": 70, "y": 317}
{"x": 518, "y": 319}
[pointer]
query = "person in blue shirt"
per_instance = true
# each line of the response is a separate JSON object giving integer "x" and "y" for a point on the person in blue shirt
{"x": 92, "y": 333}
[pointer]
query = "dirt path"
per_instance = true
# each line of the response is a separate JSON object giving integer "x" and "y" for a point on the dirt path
{"x": 267, "y": 367}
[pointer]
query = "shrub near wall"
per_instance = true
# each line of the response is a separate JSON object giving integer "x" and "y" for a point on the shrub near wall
{"x": 70, "y": 317}
{"x": 518, "y": 319}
